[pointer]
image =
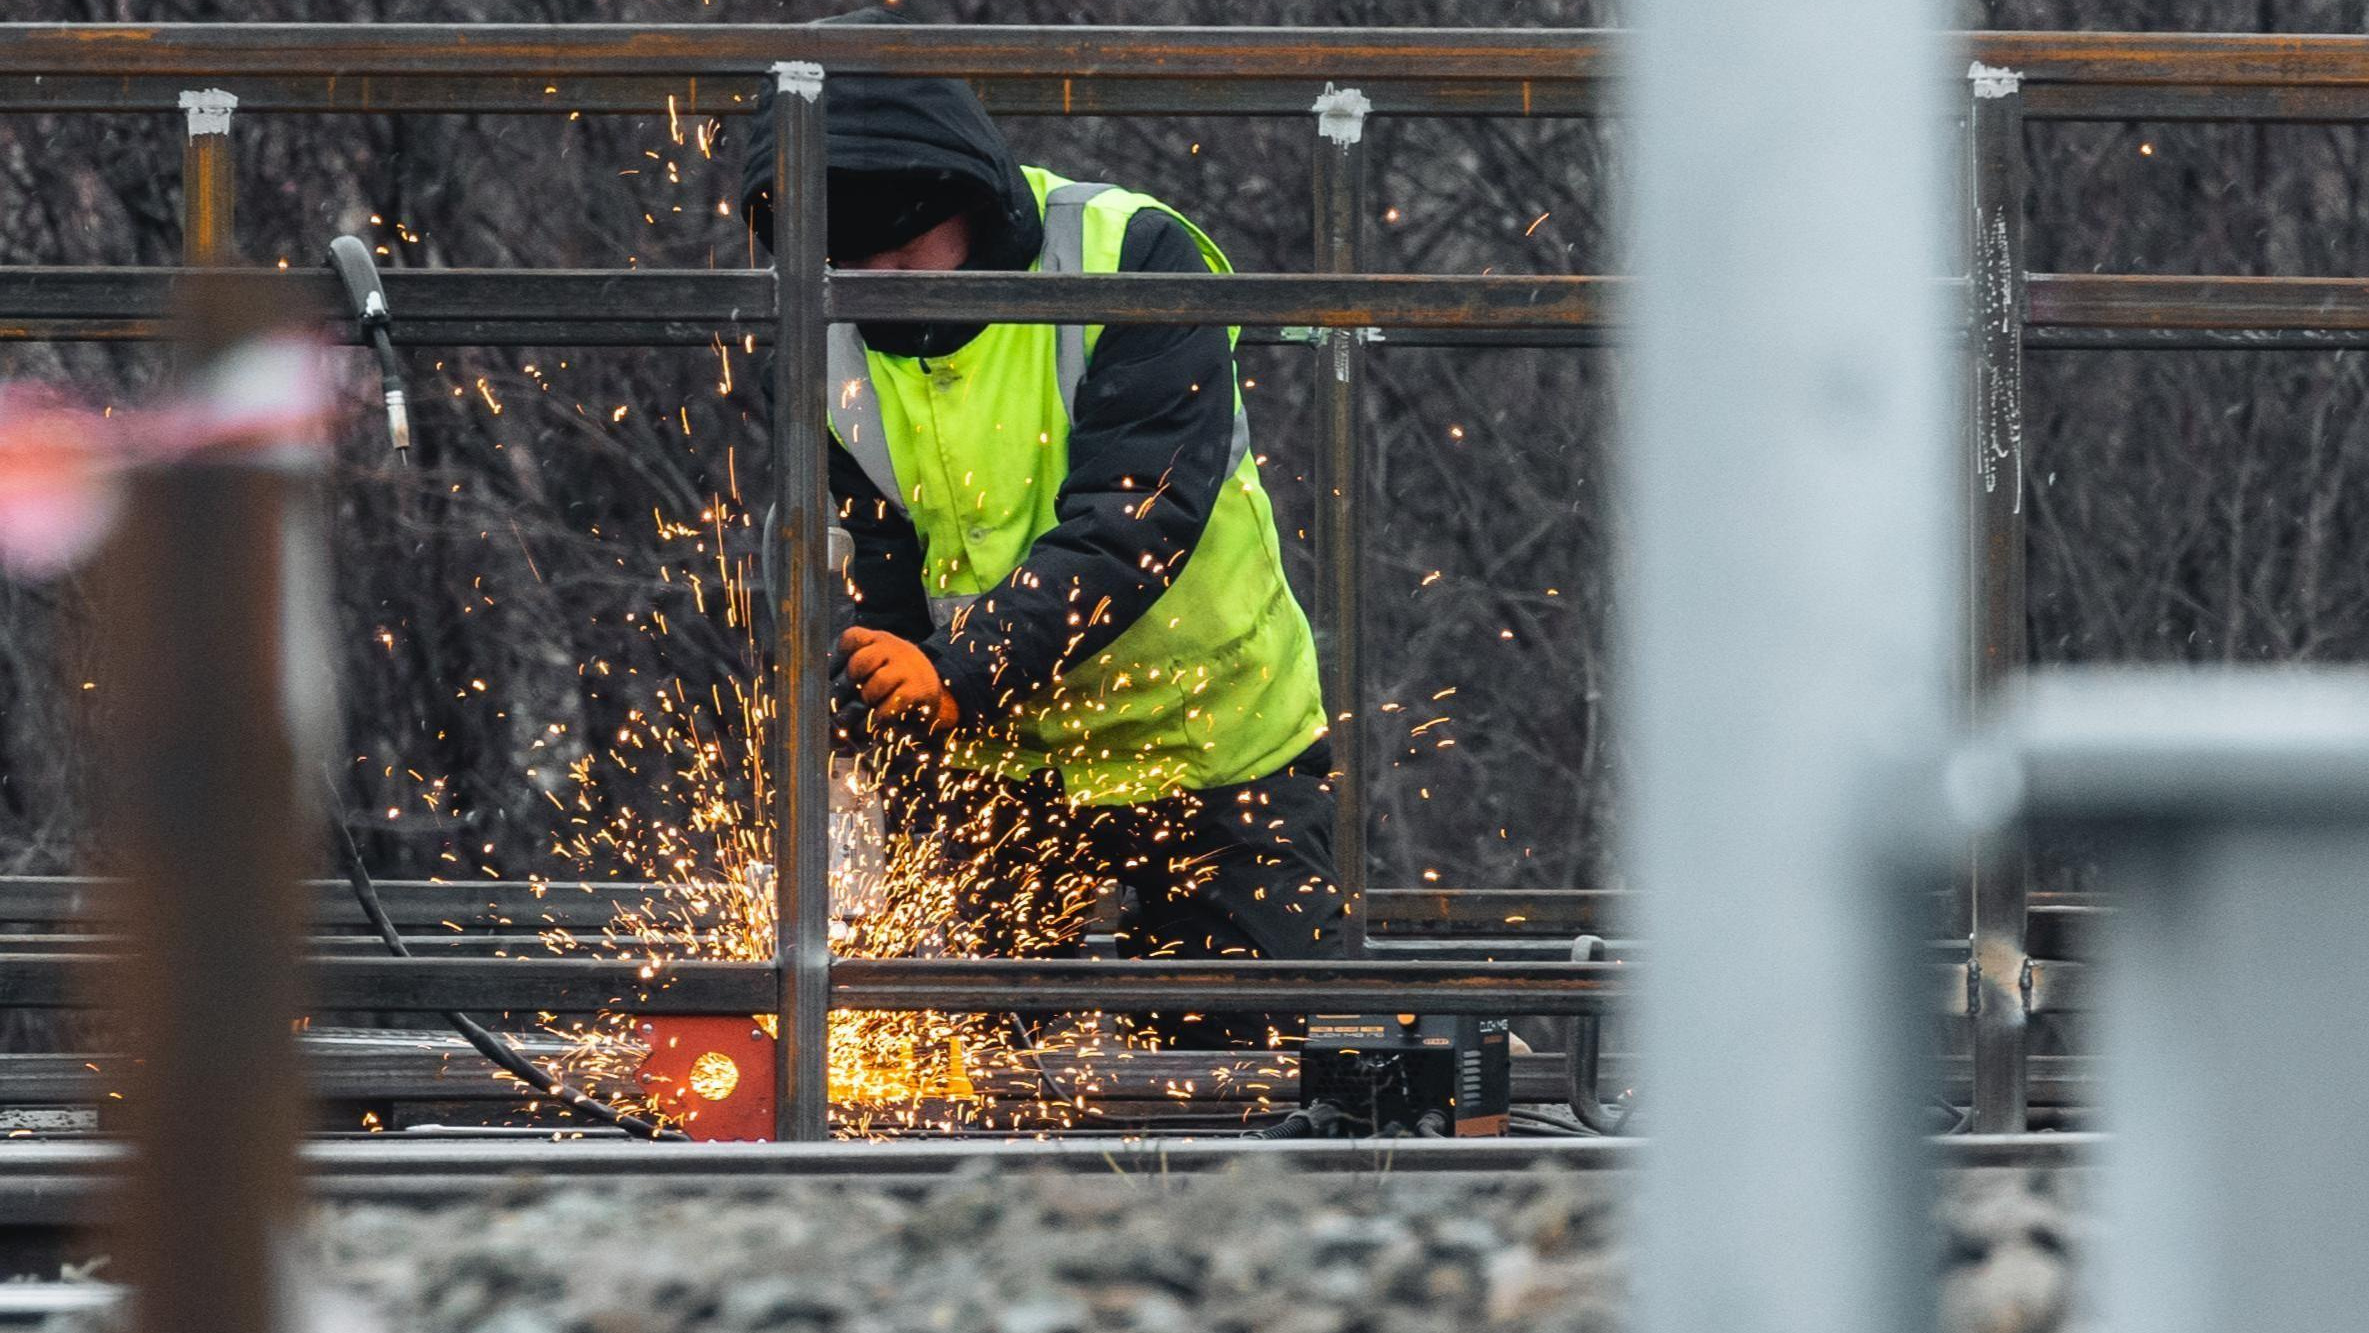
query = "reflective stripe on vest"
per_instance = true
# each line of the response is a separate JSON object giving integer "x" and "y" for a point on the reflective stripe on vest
{"x": 855, "y": 404}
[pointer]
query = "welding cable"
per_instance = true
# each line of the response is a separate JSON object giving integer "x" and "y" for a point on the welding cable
{"x": 1317, "y": 1120}
{"x": 350, "y": 256}
{"x": 1963, "y": 1119}
{"x": 1548, "y": 1120}
{"x": 1533, "y": 1129}
{"x": 477, "y": 1034}
{"x": 1029, "y": 1051}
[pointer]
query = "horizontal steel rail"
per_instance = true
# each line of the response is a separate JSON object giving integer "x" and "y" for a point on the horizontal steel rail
{"x": 390, "y": 1159}
{"x": 55, "y": 1185}
{"x": 435, "y": 985}
{"x": 520, "y": 905}
{"x": 2105, "y": 311}
{"x": 424, "y": 1067}
{"x": 548, "y": 51}
{"x": 1429, "y": 918}
{"x": 695, "y": 307}
{"x": 584, "y": 985}
{"x": 714, "y": 69}
{"x": 2061, "y": 923}
{"x": 732, "y": 94}
{"x": 442, "y": 307}
{"x": 702, "y": 986}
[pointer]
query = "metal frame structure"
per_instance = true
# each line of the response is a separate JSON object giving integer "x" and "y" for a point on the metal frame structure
{"x": 716, "y": 69}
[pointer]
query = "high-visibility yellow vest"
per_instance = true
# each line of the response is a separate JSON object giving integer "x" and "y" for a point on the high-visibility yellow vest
{"x": 1217, "y": 682}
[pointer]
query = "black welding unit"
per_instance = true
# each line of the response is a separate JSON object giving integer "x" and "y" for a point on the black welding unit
{"x": 1421, "y": 1074}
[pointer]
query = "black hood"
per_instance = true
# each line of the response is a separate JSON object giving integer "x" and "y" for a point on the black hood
{"x": 932, "y": 131}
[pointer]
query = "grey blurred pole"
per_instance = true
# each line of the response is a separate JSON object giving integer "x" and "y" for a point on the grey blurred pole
{"x": 802, "y": 505}
{"x": 2235, "y": 1078}
{"x": 1787, "y": 635}
{"x": 2232, "y": 810}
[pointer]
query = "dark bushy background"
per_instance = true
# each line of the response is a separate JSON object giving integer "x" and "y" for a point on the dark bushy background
{"x": 2187, "y": 505}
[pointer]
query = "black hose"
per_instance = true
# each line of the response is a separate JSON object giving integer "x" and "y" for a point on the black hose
{"x": 1316, "y": 1121}
{"x": 1582, "y": 1045}
{"x": 350, "y": 257}
{"x": 1964, "y": 1118}
{"x": 476, "y": 1034}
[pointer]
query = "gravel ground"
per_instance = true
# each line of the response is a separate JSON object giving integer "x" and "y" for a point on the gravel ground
{"x": 1050, "y": 1253}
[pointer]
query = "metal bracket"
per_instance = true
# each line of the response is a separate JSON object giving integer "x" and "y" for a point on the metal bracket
{"x": 1990, "y": 81}
{"x": 1340, "y": 114}
{"x": 799, "y": 78}
{"x": 1312, "y": 335}
{"x": 208, "y": 110}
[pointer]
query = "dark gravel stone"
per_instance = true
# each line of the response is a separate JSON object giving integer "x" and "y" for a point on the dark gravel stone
{"x": 1264, "y": 1252}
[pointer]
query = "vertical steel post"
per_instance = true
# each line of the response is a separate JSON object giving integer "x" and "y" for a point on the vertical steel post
{"x": 802, "y": 496}
{"x": 2000, "y": 882}
{"x": 1341, "y": 489}
{"x": 1787, "y": 631}
{"x": 201, "y": 793}
{"x": 209, "y": 188}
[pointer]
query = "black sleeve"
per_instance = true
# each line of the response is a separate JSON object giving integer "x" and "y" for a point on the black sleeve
{"x": 1147, "y": 453}
{"x": 886, "y": 566}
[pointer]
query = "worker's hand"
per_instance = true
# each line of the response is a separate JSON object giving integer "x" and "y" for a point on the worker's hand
{"x": 897, "y": 679}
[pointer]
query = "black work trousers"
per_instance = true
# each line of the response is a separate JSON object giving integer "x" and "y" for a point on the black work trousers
{"x": 1243, "y": 871}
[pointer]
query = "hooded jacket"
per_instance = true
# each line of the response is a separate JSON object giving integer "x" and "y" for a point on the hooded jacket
{"x": 910, "y": 127}
{"x": 1140, "y": 413}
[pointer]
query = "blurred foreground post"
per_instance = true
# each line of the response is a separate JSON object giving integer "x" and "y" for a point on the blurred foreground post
{"x": 2231, "y": 810}
{"x": 1788, "y": 629}
{"x": 208, "y": 795}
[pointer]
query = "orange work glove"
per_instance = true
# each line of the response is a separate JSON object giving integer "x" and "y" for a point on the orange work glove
{"x": 897, "y": 679}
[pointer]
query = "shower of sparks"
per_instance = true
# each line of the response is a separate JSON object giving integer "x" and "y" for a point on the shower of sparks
{"x": 704, "y": 847}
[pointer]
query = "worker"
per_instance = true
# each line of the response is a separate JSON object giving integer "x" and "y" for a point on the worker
{"x": 1066, "y": 569}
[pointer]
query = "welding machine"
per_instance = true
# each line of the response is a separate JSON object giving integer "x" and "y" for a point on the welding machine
{"x": 1395, "y": 1074}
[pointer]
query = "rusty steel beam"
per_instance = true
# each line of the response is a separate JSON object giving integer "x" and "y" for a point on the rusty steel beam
{"x": 733, "y": 94}
{"x": 223, "y": 50}
{"x": 694, "y": 306}
{"x": 714, "y": 69}
{"x": 435, "y": 985}
{"x": 1357, "y": 987}
{"x": 527, "y": 52}
{"x": 2177, "y": 59}
{"x": 1499, "y": 301}
{"x": 2139, "y": 302}
{"x": 583, "y": 985}
{"x": 2062, "y": 925}
{"x": 2239, "y": 104}
{"x": 387, "y": 1065}
{"x": 525, "y": 905}
{"x": 1435, "y": 923}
